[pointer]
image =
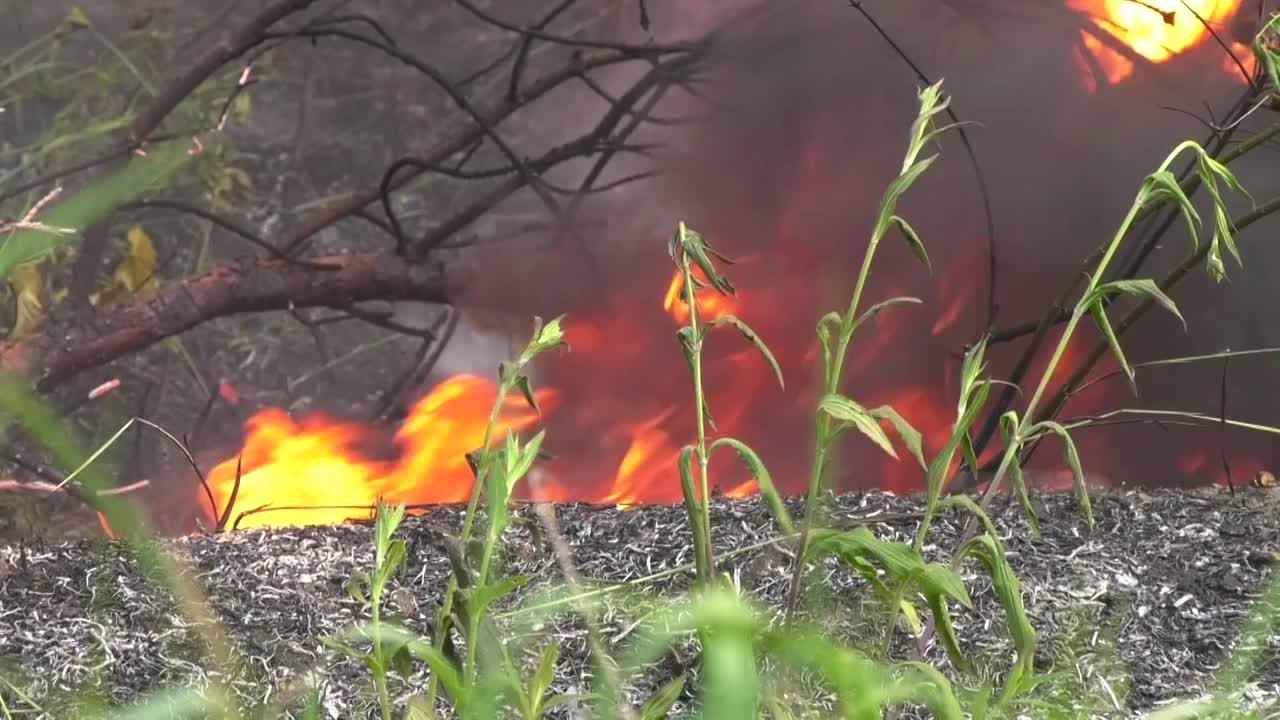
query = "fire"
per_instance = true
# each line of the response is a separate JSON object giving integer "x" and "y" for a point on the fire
{"x": 319, "y": 470}
{"x": 711, "y": 304}
{"x": 1154, "y": 29}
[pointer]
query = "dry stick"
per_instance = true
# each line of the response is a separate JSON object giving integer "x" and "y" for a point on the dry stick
{"x": 296, "y": 235}
{"x": 459, "y": 98}
{"x": 1222, "y": 424}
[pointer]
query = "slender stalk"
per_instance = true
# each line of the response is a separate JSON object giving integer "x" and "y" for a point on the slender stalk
{"x": 380, "y": 674}
{"x": 468, "y": 522}
{"x": 700, "y": 418}
{"x": 822, "y": 423}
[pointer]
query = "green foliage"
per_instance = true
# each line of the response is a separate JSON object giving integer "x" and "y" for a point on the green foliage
{"x": 688, "y": 249}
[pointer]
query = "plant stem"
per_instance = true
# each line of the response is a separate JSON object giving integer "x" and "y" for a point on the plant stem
{"x": 822, "y": 423}
{"x": 700, "y": 418}
{"x": 468, "y": 521}
{"x": 380, "y": 673}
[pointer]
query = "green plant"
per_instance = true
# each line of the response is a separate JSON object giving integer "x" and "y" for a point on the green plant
{"x": 1158, "y": 188}
{"x": 496, "y": 474}
{"x": 368, "y": 589}
{"x": 688, "y": 249}
{"x": 836, "y": 413}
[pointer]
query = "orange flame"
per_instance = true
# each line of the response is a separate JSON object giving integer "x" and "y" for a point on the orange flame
{"x": 1155, "y": 29}
{"x": 292, "y": 469}
{"x": 711, "y": 304}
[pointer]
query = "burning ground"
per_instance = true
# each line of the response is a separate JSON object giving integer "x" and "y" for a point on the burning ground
{"x": 1132, "y": 614}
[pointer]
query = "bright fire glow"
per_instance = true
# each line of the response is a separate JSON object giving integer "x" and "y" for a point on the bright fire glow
{"x": 711, "y": 304}
{"x": 1154, "y": 29}
{"x": 299, "y": 467}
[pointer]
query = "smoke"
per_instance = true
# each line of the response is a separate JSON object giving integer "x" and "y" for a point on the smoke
{"x": 803, "y": 116}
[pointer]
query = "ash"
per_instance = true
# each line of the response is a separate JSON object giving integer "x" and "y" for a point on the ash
{"x": 1141, "y": 610}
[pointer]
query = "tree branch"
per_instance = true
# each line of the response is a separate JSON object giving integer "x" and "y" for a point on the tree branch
{"x": 64, "y": 349}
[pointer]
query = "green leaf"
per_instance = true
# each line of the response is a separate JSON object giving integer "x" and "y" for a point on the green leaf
{"x": 545, "y": 337}
{"x": 76, "y": 18}
{"x": 1144, "y": 288}
{"x": 899, "y": 560}
{"x": 93, "y": 203}
{"x": 897, "y": 187}
{"x": 1162, "y": 186}
{"x": 828, "y": 325}
{"x": 906, "y": 432}
{"x": 480, "y": 598}
{"x": 693, "y": 509}
{"x": 773, "y": 499}
{"x": 173, "y": 704}
{"x": 728, "y": 676}
{"x": 356, "y": 585}
{"x": 1104, "y": 324}
{"x": 526, "y": 389}
{"x": 913, "y": 240}
{"x": 851, "y": 414}
{"x": 936, "y": 691}
{"x": 1072, "y": 457}
{"x": 658, "y": 705}
{"x": 542, "y": 678}
{"x": 946, "y": 631}
{"x": 755, "y": 340}
{"x": 389, "y": 565}
{"x": 880, "y": 306}
{"x": 386, "y": 520}
{"x": 988, "y": 551}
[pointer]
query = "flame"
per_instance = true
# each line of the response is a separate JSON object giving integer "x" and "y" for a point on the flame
{"x": 317, "y": 470}
{"x": 1154, "y": 29}
{"x": 711, "y": 304}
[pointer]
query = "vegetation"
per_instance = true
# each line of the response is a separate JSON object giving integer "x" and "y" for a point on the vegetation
{"x": 743, "y": 649}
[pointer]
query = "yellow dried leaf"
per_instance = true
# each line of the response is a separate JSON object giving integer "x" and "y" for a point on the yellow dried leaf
{"x": 137, "y": 271}
{"x": 27, "y": 283}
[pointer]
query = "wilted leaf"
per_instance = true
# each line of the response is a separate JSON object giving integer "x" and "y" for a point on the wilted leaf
{"x": 879, "y": 307}
{"x": 1005, "y": 582}
{"x": 913, "y": 240}
{"x": 906, "y": 432}
{"x": 27, "y": 284}
{"x": 526, "y": 389}
{"x": 755, "y": 340}
{"x": 1104, "y": 324}
{"x": 1024, "y": 499}
{"x": 1162, "y": 186}
{"x": 1072, "y": 457}
{"x": 1143, "y": 288}
{"x": 851, "y": 414}
{"x": 758, "y": 471}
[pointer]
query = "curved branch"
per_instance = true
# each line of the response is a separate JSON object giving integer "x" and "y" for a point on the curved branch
{"x": 298, "y": 233}
{"x": 62, "y": 350}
